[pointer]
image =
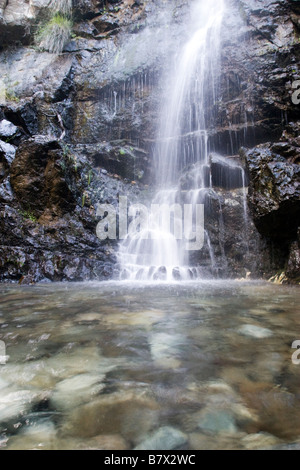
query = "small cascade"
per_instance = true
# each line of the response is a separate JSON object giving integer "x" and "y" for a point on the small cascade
{"x": 211, "y": 252}
{"x": 222, "y": 236}
{"x": 157, "y": 251}
{"x": 122, "y": 95}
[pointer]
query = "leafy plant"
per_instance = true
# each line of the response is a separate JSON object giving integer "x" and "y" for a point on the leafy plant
{"x": 28, "y": 215}
{"x": 90, "y": 174}
{"x": 11, "y": 96}
{"x": 55, "y": 34}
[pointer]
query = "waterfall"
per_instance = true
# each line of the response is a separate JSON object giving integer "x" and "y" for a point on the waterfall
{"x": 160, "y": 247}
{"x": 182, "y": 137}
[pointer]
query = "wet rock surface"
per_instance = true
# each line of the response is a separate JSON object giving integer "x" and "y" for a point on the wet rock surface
{"x": 274, "y": 199}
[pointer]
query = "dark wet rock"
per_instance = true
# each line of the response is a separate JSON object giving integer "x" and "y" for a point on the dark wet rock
{"x": 27, "y": 265}
{"x": 274, "y": 195}
{"x": 293, "y": 264}
{"x": 15, "y": 21}
{"x": 35, "y": 84}
{"x": 176, "y": 274}
{"x": 38, "y": 179}
{"x": 24, "y": 115}
{"x": 117, "y": 158}
{"x": 226, "y": 174}
{"x": 274, "y": 199}
{"x": 231, "y": 239}
{"x": 258, "y": 67}
{"x": 6, "y": 194}
{"x": 161, "y": 274}
{"x": 105, "y": 23}
{"x": 48, "y": 223}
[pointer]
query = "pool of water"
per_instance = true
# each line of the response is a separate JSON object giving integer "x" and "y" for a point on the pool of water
{"x": 199, "y": 365}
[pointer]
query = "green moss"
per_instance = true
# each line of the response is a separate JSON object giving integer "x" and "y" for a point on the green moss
{"x": 28, "y": 215}
{"x": 11, "y": 96}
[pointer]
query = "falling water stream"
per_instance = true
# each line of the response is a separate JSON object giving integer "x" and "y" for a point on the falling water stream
{"x": 160, "y": 250}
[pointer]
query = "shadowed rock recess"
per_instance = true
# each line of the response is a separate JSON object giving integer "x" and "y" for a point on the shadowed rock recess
{"x": 78, "y": 129}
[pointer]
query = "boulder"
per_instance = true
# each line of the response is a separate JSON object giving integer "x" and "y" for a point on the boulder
{"x": 7, "y": 129}
{"x": 15, "y": 21}
{"x": 274, "y": 192}
{"x": 38, "y": 179}
{"x": 165, "y": 438}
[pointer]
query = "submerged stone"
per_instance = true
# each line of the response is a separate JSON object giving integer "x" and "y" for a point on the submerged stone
{"x": 255, "y": 331}
{"x": 73, "y": 391}
{"x": 165, "y": 438}
{"x": 259, "y": 441}
{"x": 129, "y": 413}
{"x": 218, "y": 421}
{"x": 101, "y": 442}
{"x": 165, "y": 347}
{"x": 13, "y": 404}
{"x": 38, "y": 436}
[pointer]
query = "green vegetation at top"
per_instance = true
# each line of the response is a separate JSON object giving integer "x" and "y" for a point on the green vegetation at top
{"x": 56, "y": 30}
{"x": 55, "y": 34}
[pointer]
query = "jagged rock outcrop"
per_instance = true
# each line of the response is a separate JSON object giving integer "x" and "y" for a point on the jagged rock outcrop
{"x": 260, "y": 63}
{"x": 274, "y": 194}
{"x": 47, "y": 223}
{"x": 39, "y": 179}
{"x": 274, "y": 199}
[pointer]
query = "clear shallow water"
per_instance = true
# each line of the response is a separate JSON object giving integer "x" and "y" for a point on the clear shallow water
{"x": 204, "y": 365}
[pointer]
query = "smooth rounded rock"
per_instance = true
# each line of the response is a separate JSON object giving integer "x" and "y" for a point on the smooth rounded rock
{"x": 255, "y": 331}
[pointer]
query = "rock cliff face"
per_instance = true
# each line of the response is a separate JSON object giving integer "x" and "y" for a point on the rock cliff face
{"x": 77, "y": 129}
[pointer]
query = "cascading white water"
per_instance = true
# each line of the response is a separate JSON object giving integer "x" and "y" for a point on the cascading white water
{"x": 156, "y": 252}
{"x": 182, "y": 137}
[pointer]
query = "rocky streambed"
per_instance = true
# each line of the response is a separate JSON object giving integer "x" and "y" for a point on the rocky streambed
{"x": 117, "y": 366}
